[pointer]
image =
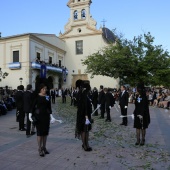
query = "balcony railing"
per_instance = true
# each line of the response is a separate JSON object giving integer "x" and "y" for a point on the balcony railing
{"x": 14, "y": 65}
{"x": 36, "y": 65}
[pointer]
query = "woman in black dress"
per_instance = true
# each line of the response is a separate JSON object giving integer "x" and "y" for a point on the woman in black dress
{"x": 42, "y": 112}
{"x": 84, "y": 110}
{"x": 141, "y": 114}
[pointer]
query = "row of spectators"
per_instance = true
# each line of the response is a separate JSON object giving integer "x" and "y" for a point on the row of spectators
{"x": 156, "y": 97}
{"x": 49, "y": 64}
{"x": 7, "y": 101}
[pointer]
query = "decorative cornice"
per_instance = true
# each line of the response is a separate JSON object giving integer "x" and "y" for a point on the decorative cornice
{"x": 74, "y": 4}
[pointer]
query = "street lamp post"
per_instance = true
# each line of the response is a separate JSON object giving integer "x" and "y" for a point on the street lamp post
{"x": 21, "y": 80}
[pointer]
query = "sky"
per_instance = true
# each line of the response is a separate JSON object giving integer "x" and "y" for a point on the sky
{"x": 129, "y": 17}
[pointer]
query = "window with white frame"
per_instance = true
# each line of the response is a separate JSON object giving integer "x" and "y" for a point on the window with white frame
{"x": 16, "y": 56}
{"x": 79, "y": 47}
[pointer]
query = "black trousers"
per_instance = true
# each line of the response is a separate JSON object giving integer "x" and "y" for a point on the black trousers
{"x": 64, "y": 99}
{"x": 108, "y": 113}
{"x": 28, "y": 130}
{"x": 72, "y": 101}
{"x": 124, "y": 113}
{"x": 53, "y": 100}
{"x": 95, "y": 106}
{"x": 21, "y": 118}
{"x": 102, "y": 108}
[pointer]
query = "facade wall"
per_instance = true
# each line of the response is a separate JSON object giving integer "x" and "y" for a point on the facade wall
{"x": 7, "y": 47}
{"x": 91, "y": 44}
{"x": 28, "y": 48}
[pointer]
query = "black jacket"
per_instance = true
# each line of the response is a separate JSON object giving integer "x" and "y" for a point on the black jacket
{"x": 101, "y": 97}
{"x": 28, "y": 98}
{"x": 95, "y": 97}
{"x": 123, "y": 99}
{"x": 109, "y": 99}
{"x": 19, "y": 99}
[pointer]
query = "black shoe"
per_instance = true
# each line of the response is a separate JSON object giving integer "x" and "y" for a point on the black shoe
{"x": 23, "y": 129}
{"x": 101, "y": 117}
{"x": 89, "y": 148}
{"x": 41, "y": 152}
{"x": 45, "y": 151}
{"x": 142, "y": 143}
{"x": 33, "y": 133}
{"x": 86, "y": 149}
{"x": 122, "y": 124}
{"x": 107, "y": 120}
{"x": 137, "y": 143}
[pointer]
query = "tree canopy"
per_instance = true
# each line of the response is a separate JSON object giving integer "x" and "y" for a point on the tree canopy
{"x": 132, "y": 61}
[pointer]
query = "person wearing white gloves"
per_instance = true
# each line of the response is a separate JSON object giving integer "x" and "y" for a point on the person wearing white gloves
{"x": 123, "y": 102}
{"x": 84, "y": 110}
{"x": 109, "y": 101}
{"x": 141, "y": 114}
{"x": 41, "y": 110}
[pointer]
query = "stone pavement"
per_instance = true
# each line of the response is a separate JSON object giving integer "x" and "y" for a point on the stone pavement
{"x": 113, "y": 145}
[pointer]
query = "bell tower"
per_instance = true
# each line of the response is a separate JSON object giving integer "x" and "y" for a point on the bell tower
{"x": 79, "y": 15}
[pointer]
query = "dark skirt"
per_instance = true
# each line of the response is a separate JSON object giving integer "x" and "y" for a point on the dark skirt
{"x": 43, "y": 127}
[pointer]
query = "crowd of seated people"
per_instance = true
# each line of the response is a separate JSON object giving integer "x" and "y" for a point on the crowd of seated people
{"x": 7, "y": 101}
{"x": 156, "y": 97}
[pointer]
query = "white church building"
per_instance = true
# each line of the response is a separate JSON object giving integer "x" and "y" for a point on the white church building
{"x": 23, "y": 55}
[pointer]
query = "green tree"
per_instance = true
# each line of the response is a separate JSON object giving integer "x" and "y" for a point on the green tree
{"x": 132, "y": 61}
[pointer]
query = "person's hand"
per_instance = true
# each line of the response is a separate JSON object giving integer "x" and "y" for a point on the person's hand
{"x": 52, "y": 119}
{"x": 98, "y": 105}
{"x": 87, "y": 122}
{"x": 110, "y": 107}
{"x": 140, "y": 116}
{"x": 133, "y": 116}
{"x": 30, "y": 117}
{"x": 125, "y": 107}
{"x": 60, "y": 121}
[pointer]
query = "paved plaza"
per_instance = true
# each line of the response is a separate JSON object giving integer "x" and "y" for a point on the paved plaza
{"x": 113, "y": 145}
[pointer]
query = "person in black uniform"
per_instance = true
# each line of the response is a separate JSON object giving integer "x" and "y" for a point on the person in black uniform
{"x": 102, "y": 102}
{"x": 64, "y": 93}
{"x": 141, "y": 114}
{"x": 123, "y": 102}
{"x": 28, "y": 99}
{"x": 41, "y": 109}
{"x": 95, "y": 100}
{"x": 83, "y": 122}
{"x": 20, "y": 106}
{"x": 53, "y": 95}
{"x": 109, "y": 100}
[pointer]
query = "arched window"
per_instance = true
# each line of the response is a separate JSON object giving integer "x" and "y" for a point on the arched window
{"x": 75, "y": 15}
{"x": 83, "y": 14}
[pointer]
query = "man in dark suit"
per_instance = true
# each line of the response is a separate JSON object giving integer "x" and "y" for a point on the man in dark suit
{"x": 64, "y": 94}
{"x": 28, "y": 98}
{"x": 102, "y": 102}
{"x": 109, "y": 100}
{"x": 53, "y": 95}
{"x": 95, "y": 100}
{"x": 123, "y": 102}
{"x": 20, "y": 106}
